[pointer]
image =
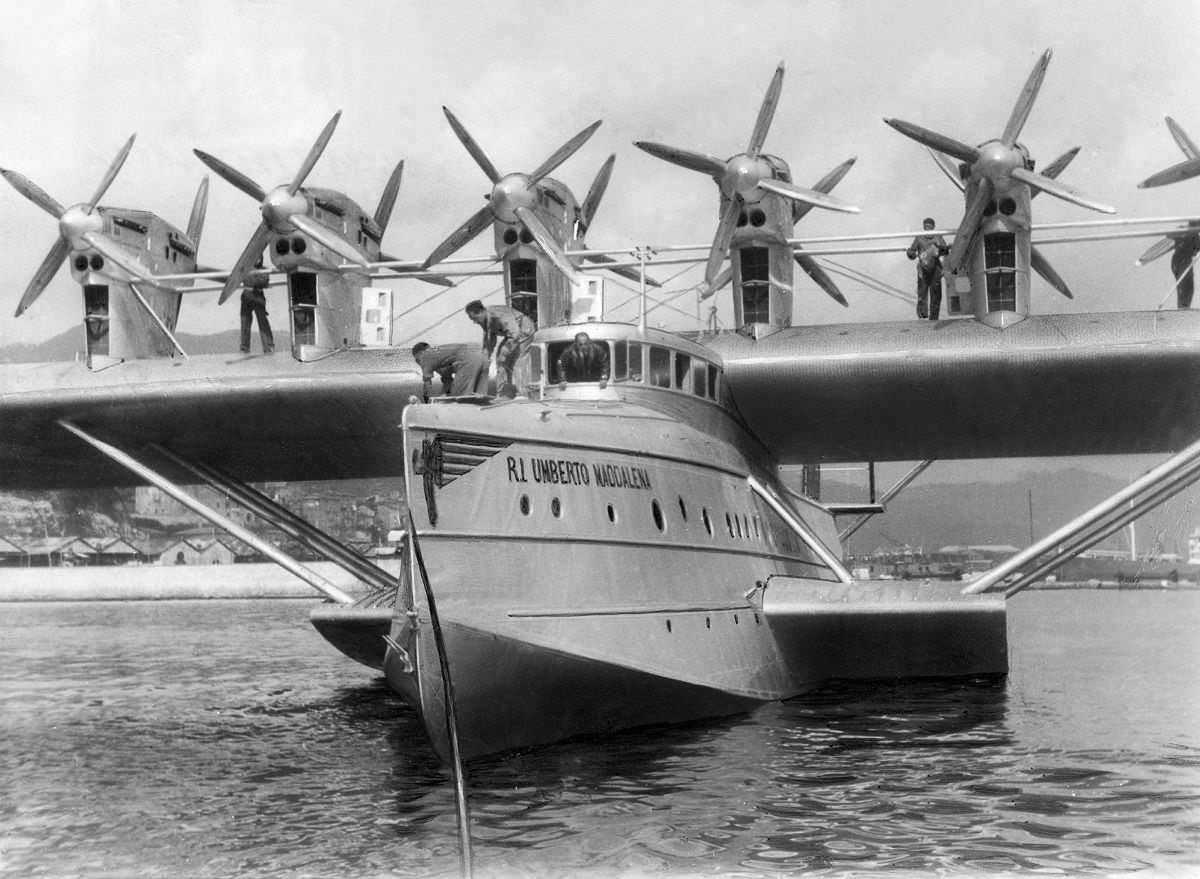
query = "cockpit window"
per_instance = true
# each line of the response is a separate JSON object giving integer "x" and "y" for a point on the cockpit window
{"x": 683, "y": 366}
{"x": 660, "y": 367}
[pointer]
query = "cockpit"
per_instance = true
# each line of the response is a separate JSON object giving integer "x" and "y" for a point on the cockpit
{"x": 622, "y": 355}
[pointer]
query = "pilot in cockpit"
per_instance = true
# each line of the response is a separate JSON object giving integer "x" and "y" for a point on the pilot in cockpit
{"x": 584, "y": 361}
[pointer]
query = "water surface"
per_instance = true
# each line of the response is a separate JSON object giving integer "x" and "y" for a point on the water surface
{"x": 221, "y": 738}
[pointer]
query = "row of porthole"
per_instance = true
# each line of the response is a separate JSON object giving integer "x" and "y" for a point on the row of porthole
{"x": 708, "y": 622}
{"x": 738, "y": 525}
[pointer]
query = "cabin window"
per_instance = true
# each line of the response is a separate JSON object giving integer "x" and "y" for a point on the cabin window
{"x": 756, "y": 285}
{"x": 657, "y": 513}
{"x": 700, "y": 379}
{"x": 660, "y": 367}
{"x": 683, "y": 371}
{"x": 620, "y": 362}
{"x": 712, "y": 382}
{"x": 635, "y": 362}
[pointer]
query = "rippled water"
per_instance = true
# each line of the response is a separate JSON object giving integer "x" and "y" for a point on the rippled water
{"x": 225, "y": 739}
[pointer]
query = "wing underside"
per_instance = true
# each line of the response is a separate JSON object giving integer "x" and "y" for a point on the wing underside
{"x": 1051, "y": 385}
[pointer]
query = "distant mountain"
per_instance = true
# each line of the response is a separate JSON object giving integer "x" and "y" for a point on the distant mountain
{"x": 69, "y": 345}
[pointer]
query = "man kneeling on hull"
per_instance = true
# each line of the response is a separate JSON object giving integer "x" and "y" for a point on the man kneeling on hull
{"x": 463, "y": 368}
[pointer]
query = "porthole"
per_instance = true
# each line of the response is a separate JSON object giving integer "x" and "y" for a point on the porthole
{"x": 757, "y": 217}
{"x": 1008, "y": 206}
{"x": 81, "y": 263}
{"x": 556, "y": 508}
{"x": 281, "y": 246}
{"x": 510, "y": 236}
{"x": 96, "y": 262}
{"x": 707, "y": 521}
{"x": 612, "y": 514}
{"x": 299, "y": 246}
{"x": 729, "y": 524}
{"x": 683, "y": 509}
{"x": 657, "y": 513}
{"x": 525, "y": 504}
{"x": 668, "y": 625}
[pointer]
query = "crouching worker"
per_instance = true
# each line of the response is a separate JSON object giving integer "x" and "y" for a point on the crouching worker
{"x": 462, "y": 368}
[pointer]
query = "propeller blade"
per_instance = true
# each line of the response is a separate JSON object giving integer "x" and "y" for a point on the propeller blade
{"x": 820, "y": 278}
{"x": 935, "y": 141}
{"x": 969, "y": 227}
{"x": 232, "y": 176}
{"x": 949, "y": 169}
{"x": 563, "y": 153}
{"x": 328, "y": 239}
{"x": 1060, "y": 190}
{"x": 250, "y": 255}
{"x": 1060, "y": 164}
{"x": 112, "y": 252}
{"x": 808, "y": 196}
{"x": 628, "y": 272}
{"x": 547, "y": 242}
{"x": 596, "y": 192}
{"x": 1159, "y": 248}
{"x": 33, "y": 192}
{"x": 1025, "y": 100}
{"x": 1184, "y": 142}
{"x": 479, "y": 221}
{"x": 825, "y": 184}
{"x": 111, "y": 174}
{"x": 473, "y": 148}
{"x": 705, "y": 289}
{"x": 766, "y": 113}
{"x": 1183, "y": 171}
{"x": 693, "y": 161}
{"x": 313, "y": 154}
{"x": 45, "y": 274}
{"x": 1042, "y": 266}
{"x": 199, "y": 210}
{"x": 720, "y": 245}
{"x": 387, "y": 201}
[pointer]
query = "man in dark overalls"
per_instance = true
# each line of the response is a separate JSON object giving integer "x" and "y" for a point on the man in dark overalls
{"x": 928, "y": 251}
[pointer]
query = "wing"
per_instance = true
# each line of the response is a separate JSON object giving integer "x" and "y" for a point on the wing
{"x": 909, "y": 391}
{"x": 260, "y": 419}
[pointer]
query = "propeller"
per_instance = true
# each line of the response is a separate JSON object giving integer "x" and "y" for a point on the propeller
{"x": 746, "y": 175}
{"x": 1186, "y": 169}
{"x": 587, "y": 213}
{"x": 993, "y": 165}
{"x": 512, "y": 199}
{"x": 1038, "y": 261}
{"x": 284, "y": 209}
{"x": 80, "y": 227}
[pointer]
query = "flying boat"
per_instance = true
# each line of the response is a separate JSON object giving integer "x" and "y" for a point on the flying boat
{"x": 609, "y": 551}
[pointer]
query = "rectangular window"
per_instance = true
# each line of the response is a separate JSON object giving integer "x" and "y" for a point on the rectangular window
{"x": 660, "y": 367}
{"x": 712, "y": 382}
{"x": 636, "y": 367}
{"x": 620, "y": 361}
{"x": 523, "y": 275}
{"x": 683, "y": 372}
{"x": 1000, "y": 250}
{"x": 756, "y": 285}
{"x": 700, "y": 379}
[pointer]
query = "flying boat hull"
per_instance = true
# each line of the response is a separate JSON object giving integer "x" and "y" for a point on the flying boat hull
{"x": 596, "y": 566}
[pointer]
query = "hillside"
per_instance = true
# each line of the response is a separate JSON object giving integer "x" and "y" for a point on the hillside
{"x": 69, "y": 345}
